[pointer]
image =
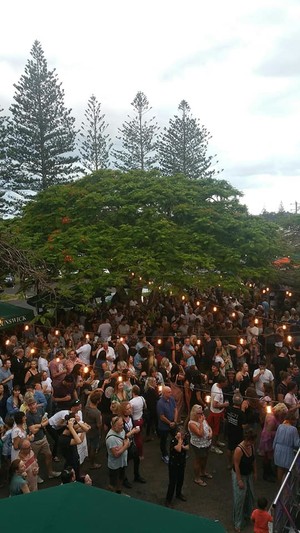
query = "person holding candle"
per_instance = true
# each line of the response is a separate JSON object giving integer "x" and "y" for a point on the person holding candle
{"x": 272, "y": 421}
{"x": 200, "y": 440}
{"x": 217, "y": 410}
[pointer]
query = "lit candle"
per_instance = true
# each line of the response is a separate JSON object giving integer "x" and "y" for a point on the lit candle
{"x": 26, "y": 328}
{"x": 32, "y": 351}
{"x": 214, "y": 309}
{"x": 269, "y": 409}
{"x": 207, "y": 398}
{"x": 159, "y": 341}
{"x": 121, "y": 339}
{"x": 233, "y": 315}
{"x": 256, "y": 321}
{"x": 242, "y": 341}
{"x": 250, "y": 284}
{"x": 289, "y": 338}
{"x": 140, "y": 278}
{"x": 198, "y": 303}
{"x": 7, "y": 342}
{"x": 56, "y": 332}
{"x": 183, "y": 298}
{"x": 290, "y": 294}
{"x": 267, "y": 289}
{"x": 198, "y": 342}
{"x": 284, "y": 326}
{"x": 86, "y": 369}
{"x": 160, "y": 388}
{"x": 264, "y": 291}
{"x": 120, "y": 379}
{"x": 87, "y": 337}
{"x": 57, "y": 359}
{"x": 132, "y": 273}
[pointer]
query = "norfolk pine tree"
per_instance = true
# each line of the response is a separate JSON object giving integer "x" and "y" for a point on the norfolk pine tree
{"x": 3, "y": 147}
{"x": 138, "y": 138}
{"x": 42, "y": 134}
{"x": 182, "y": 148}
{"x": 95, "y": 144}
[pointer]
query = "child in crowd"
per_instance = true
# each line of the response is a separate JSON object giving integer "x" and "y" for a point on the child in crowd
{"x": 261, "y": 517}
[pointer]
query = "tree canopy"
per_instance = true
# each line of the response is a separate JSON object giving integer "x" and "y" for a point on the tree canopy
{"x": 138, "y": 228}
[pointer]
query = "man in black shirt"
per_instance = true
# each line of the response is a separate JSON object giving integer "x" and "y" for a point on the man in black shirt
{"x": 36, "y": 422}
{"x": 208, "y": 351}
{"x": 235, "y": 424}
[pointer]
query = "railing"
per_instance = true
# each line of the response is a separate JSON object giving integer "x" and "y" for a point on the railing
{"x": 286, "y": 506}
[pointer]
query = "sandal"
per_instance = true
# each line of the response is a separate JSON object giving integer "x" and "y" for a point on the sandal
{"x": 207, "y": 476}
{"x": 200, "y": 482}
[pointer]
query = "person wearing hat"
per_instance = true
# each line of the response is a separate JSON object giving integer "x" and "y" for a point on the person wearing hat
{"x": 236, "y": 423}
{"x": 36, "y": 423}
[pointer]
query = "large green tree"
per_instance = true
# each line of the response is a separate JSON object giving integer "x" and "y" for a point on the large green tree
{"x": 138, "y": 138}
{"x": 95, "y": 142}
{"x": 183, "y": 146}
{"x": 41, "y": 134}
{"x": 143, "y": 228}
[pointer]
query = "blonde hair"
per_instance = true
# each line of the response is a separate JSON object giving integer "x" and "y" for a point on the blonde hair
{"x": 280, "y": 409}
{"x": 193, "y": 414}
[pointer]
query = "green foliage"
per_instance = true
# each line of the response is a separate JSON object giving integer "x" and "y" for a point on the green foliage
{"x": 138, "y": 138}
{"x": 95, "y": 144}
{"x": 183, "y": 146}
{"x": 41, "y": 133}
{"x": 134, "y": 229}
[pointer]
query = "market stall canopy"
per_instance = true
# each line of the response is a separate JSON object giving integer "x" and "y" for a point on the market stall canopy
{"x": 78, "y": 508}
{"x": 12, "y": 315}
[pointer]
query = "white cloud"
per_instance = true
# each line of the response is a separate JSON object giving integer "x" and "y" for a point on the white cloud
{"x": 226, "y": 58}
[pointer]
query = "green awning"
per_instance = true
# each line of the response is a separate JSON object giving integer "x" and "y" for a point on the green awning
{"x": 12, "y": 315}
{"x": 78, "y": 508}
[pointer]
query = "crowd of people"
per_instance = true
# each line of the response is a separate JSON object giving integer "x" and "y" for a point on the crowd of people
{"x": 204, "y": 372}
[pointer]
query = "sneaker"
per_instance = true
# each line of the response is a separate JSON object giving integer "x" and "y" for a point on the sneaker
{"x": 222, "y": 444}
{"x": 165, "y": 459}
{"x": 54, "y": 474}
{"x": 40, "y": 480}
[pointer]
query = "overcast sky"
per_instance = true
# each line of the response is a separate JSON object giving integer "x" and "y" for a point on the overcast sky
{"x": 236, "y": 62}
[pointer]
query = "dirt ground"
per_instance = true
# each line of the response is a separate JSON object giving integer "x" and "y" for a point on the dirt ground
{"x": 213, "y": 501}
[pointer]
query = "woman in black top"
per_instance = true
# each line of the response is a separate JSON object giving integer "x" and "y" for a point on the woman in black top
{"x": 243, "y": 473}
{"x": 68, "y": 441}
{"x": 177, "y": 461}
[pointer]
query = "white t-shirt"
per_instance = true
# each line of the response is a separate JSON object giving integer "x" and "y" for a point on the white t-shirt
{"x": 104, "y": 331}
{"x": 137, "y": 405}
{"x": 43, "y": 365}
{"x": 216, "y": 394}
{"x": 55, "y": 420}
{"x": 84, "y": 353}
{"x": 47, "y": 386}
{"x": 266, "y": 377}
{"x": 16, "y": 432}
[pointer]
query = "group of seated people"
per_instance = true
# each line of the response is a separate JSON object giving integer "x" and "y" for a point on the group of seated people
{"x": 63, "y": 389}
